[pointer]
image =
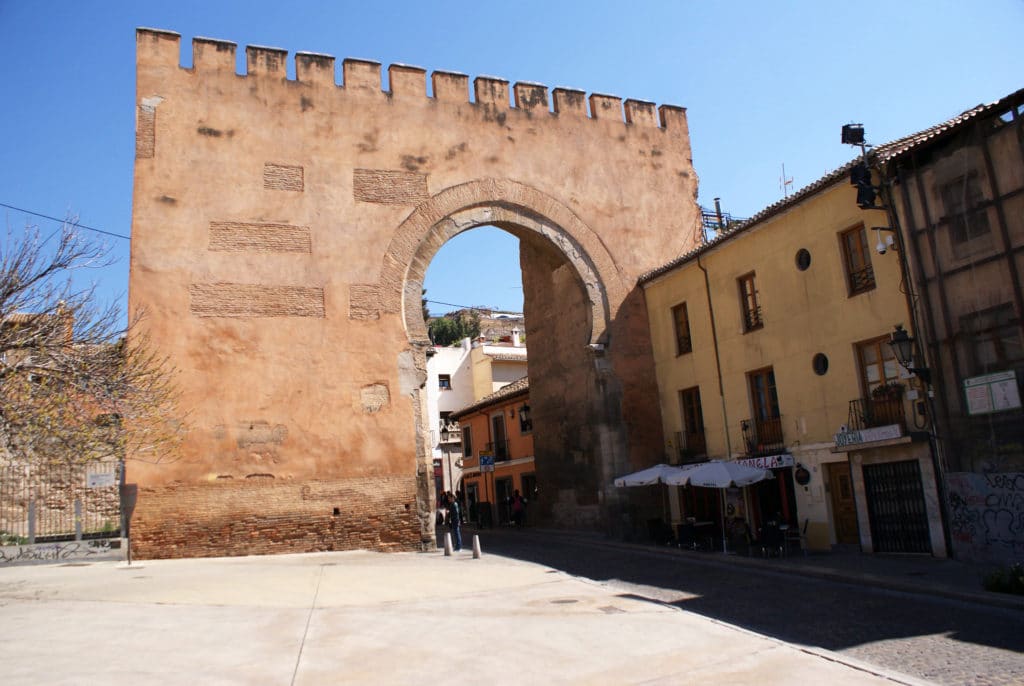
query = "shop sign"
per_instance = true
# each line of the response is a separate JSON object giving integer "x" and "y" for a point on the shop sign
{"x": 992, "y": 393}
{"x": 768, "y": 462}
{"x": 877, "y": 433}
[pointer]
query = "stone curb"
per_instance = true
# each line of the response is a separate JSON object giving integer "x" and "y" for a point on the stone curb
{"x": 1000, "y": 600}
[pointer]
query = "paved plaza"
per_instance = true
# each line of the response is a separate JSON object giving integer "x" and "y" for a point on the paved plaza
{"x": 361, "y": 617}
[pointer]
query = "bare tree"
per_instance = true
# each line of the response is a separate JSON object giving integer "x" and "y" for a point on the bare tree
{"x": 71, "y": 388}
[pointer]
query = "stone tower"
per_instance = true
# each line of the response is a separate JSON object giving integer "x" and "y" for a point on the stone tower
{"x": 281, "y": 232}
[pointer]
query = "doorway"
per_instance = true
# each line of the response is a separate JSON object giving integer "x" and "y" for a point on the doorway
{"x": 500, "y": 444}
{"x": 844, "y": 507}
{"x": 774, "y": 499}
{"x": 896, "y": 507}
{"x": 767, "y": 419}
{"x": 472, "y": 498}
{"x": 503, "y": 493}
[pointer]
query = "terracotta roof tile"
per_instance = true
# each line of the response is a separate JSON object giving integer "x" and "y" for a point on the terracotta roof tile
{"x": 515, "y": 388}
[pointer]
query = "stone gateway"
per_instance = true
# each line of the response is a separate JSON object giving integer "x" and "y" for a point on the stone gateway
{"x": 281, "y": 232}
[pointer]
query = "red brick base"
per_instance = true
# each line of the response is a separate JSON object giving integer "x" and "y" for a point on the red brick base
{"x": 261, "y": 516}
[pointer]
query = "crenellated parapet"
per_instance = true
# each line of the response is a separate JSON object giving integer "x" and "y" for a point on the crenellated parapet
{"x": 158, "y": 48}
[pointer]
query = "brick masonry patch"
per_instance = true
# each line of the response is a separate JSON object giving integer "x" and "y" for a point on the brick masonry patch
{"x": 243, "y": 237}
{"x": 363, "y": 301}
{"x": 283, "y": 177}
{"x": 252, "y": 300}
{"x": 389, "y": 186}
{"x": 145, "y": 132}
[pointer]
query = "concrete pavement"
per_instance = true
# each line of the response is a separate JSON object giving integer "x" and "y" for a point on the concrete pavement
{"x": 370, "y": 617}
{"x": 361, "y": 617}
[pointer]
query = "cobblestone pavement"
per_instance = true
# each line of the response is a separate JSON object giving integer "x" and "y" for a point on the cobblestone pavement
{"x": 944, "y": 641}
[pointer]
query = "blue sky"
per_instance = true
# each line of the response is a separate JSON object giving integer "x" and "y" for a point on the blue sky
{"x": 765, "y": 84}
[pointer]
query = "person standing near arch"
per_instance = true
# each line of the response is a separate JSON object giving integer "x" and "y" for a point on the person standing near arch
{"x": 518, "y": 507}
{"x": 455, "y": 521}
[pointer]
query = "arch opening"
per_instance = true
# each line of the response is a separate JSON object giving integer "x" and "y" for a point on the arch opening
{"x": 527, "y": 226}
{"x": 570, "y": 288}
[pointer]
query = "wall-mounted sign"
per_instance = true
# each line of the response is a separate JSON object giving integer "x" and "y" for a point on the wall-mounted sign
{"x": 486, "y": 462}
{"x": 99, "y": 480}
{"x": 992, "y": 393}
{"x": 769, "y": 462}
{"x": 876, "y": 433}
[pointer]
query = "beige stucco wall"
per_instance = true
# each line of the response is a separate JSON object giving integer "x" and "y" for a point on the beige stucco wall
{"x": 804, "y": 313}
{"x": 282, "y": 229}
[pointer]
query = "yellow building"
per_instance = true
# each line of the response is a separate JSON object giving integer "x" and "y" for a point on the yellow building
{"x": 771, "y": 347}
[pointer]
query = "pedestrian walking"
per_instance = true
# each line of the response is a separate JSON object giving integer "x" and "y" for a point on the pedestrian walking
{"x": 518, "y": 509}
{"x": 455, "y": 521}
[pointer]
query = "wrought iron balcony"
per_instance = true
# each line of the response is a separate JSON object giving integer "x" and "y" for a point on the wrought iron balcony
{"x": 862, "y": 279}
{"x": 878, "y": 410}
{"x": 500, "y": 450}
{"x": 684, "y": 344}
{"x": 752, "y": 319}
{"x": 763, "y": 437}
{"x": 691, "y": 446}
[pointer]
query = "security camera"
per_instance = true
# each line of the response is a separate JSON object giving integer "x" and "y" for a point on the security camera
{"x": 880, "y": 248}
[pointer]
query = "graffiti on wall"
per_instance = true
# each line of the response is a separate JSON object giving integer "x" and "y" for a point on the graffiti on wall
{"x": 64, "y": 551}
{"x": 986, "y": 514}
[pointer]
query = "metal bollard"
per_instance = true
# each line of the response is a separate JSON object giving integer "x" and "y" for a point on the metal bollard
{"x": 31, "y": 520}
{"x": 476, "y": 547}
{"x": 447, "y": 545}
{"x": 78, "y": 519}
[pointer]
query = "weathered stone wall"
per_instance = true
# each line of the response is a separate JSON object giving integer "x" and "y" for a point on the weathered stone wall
{"x": 281, "y": 232}
{"x": 261, "y": 515}
{"x": 563, "y": 413}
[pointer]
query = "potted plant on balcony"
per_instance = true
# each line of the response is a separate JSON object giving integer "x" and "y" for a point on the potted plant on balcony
{"x": 888, "y": 391}
{"x": 886, "y": 406}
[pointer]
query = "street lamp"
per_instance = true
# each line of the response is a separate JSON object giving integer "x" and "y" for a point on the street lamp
{"x": 902, "y": 345}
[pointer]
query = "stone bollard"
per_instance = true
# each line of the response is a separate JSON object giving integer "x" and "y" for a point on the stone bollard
{"x": 476, "y": 547}
{"x": 447, "y": 545}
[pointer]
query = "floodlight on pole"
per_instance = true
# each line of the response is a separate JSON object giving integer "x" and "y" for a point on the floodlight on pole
{"x": 853, "y": 134}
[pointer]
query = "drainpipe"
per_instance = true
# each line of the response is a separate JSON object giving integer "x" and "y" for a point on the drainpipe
{"x": 718, "y": 362}
{"x": 447, "y": 452}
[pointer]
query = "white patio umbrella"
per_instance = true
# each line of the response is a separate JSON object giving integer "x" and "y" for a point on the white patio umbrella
{"x": 721, "y": 475}
{"x": 717, "y": 474}
{"x": 647, "y": 477}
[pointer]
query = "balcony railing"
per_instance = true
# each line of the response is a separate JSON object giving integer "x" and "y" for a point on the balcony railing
{"x": 684, "y": 344}
{"x": 762, "y": 437}
{"x": 752, "y": 319}
{"x": 500, "y": 450}
{"x": 862, "y": 279}
{"x": 451, "y": 437}
{"x": 873, "y": 411}
{"x": 691, "y": 447}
